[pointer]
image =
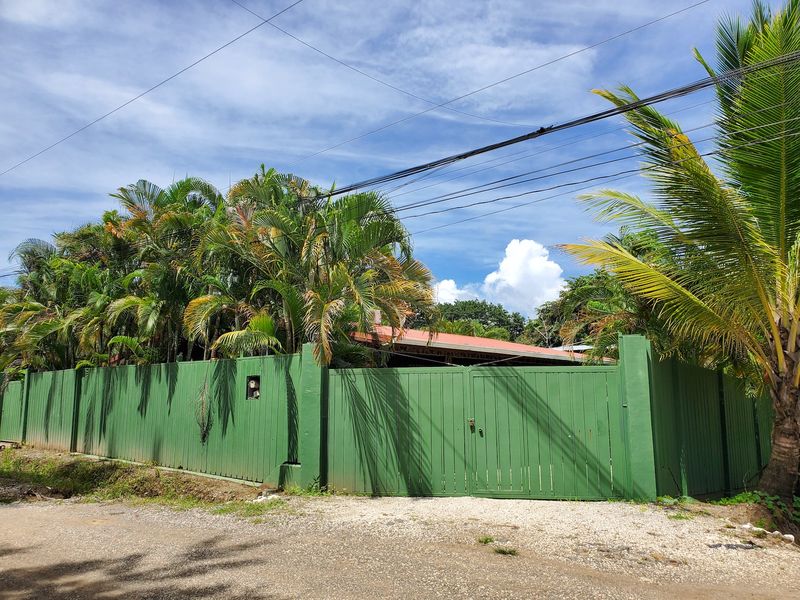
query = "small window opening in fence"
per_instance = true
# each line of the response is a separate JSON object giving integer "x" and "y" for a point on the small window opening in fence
{"x": 253, "y": 387}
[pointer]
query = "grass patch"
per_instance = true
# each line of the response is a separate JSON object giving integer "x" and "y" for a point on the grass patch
{"x": 743, "y": 498}
{"x": 312, "y": 490}
{"x": 240, "y": 508}
{"x": 681, "y": 516}
{"x": 679, "y": 501}
{"x": 64, "y": 478}
{"x": 485, "y": 539}
{"x": 782, "y": 513}
{"x": 97, "y": 481}
{"x": 506, "y": 551}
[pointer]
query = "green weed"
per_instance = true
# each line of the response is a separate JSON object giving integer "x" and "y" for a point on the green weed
{"x": 485, "y": 539}
{"x": 239, "y": 508}
{"x": 506, "y": 551}
{"x": 313, "y": 490}
{"x": 681, "y": 516}
{"x": 779, "y": 510}
{"x": 98, "y": 481}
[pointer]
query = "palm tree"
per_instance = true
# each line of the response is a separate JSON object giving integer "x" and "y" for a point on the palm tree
{"x": 732, "y": 284}
{"x": 275, "y": 264}
{"x": 320, "y": 267}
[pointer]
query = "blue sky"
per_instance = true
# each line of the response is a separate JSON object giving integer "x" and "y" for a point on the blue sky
{"x": 268, "y": 98}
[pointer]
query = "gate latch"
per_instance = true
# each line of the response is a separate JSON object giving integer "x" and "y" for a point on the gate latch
{"x": 472, "y": 425}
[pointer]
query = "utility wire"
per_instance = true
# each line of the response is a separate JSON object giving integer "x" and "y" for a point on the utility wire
{"x": 372, "y": 77}
{"x": 147, "y": 91}
{"x": 525, "y": 154}
{"x": 616, "y": 177}
{"x": 496, "y": 83}
{"x": 611, "y": 112}
{"x": 504, "y": 182}
{"x": 613, "y": 177}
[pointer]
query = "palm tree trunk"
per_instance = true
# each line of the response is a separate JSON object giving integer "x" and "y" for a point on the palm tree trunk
{"x": 781, "y": 474}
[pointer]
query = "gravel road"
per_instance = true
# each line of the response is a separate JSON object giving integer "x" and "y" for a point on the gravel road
{"x": 349, "y": 547}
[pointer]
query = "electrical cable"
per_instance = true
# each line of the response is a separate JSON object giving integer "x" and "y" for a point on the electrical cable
{"x": 525, "y": 154}
{"x": 147, "y": 91}
{"x": 615, "y": 176}
{"x": 611, "y": 112}
{"x": 499, "y": 183}
{"x": 611, "y": 177}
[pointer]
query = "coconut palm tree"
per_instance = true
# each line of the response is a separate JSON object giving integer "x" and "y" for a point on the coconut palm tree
{"x": 732, "y": 284}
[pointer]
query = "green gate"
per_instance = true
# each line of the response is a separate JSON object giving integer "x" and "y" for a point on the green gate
{"x": 546, "y": 432}
{"x": 503, "y": 432}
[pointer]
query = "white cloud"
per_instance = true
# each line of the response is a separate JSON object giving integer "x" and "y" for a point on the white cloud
{"x": 448, "y": 291}
{"x": 525, "y": 278}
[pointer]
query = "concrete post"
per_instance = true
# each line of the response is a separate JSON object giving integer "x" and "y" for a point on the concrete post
{"x": 310, "y": 404}
{"x": 635, "y": 357}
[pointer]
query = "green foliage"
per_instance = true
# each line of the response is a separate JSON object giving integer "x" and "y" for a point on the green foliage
{"x": 107, "y": 480}
{"x": 780, "y": 510}
{"x": 95, "y": 480}
{"x": 505, "y": 551}
{"x": 473, "y": 317}
{"x": 183, "y": 273}
{"x": 473, "y": 328}
{"x": 310, "y": 491}
{"x": 485, "y": 539}
{"x": 681, "y": 516}
{"x": 595, "y": 309}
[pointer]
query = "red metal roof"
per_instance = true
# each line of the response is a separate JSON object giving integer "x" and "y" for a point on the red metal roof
{"x": 452, "y": 341}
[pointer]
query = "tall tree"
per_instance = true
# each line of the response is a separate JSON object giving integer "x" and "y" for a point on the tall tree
{"x": 732, "y": 286}
{"x": 182, "y": 273}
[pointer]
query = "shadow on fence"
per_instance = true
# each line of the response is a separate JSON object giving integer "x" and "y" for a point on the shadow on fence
{"x": 383, "y": 428}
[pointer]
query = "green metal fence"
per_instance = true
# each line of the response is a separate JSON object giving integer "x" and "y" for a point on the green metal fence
{"x": 11, "y": 412}
{"x": 194, "y": 415}
{"x": 637, "y": 429}
{"x": 708, "y": 433}
{"x": 50, "y": 409}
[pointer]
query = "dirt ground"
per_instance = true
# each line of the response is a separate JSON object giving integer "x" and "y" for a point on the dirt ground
{"x": 350, "y": 547}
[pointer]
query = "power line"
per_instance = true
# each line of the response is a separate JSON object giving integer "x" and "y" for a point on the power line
{"x": 372, "y": 77}
{"x": 508, "y": 181}
{"x": 496, "y": 83}
{"x": 611, "y": 112}
{"x": 147, "y": 91}
{"x": 611, "y": 178}
{"x": 525, "y": 154}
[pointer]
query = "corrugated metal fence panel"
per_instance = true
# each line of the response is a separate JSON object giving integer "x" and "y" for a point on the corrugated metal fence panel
{"x": 667, "y": 428}
{"x": 193, "y": 415}
{"x": 765, "y": 417}
{"x": 397, "y": 431}
{"x": 11, "y": 410}
{"x": 558, "y": 432}
{"x": 50, "y": 409}
{"x": 688, "y": 431}
{"x": 698, "y": 394}
{"x": 740, "y": 426}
